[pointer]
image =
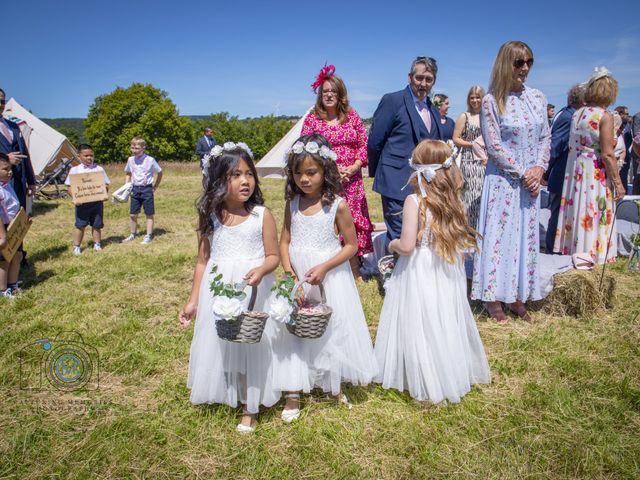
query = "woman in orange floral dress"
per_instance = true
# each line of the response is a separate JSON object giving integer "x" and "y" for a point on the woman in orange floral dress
{"x": 591, "y": 180}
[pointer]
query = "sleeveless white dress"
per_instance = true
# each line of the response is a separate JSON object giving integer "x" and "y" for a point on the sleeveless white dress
{"x": 427, "y": 340}
{"x": 221, "y": 371}
{"x": 345, "y": 352}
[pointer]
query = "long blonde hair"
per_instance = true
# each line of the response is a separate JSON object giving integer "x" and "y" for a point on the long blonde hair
{"x": 475, "y": 90}
{"x": 451, "y": 233}
{"x": 502, "y": 71}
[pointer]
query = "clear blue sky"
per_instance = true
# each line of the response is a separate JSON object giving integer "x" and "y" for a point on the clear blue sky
{"x": 254, "y": 58}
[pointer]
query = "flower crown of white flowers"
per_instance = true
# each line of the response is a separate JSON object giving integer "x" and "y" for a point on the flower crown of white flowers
{"x": 313, "y": 148}
{"x": 428, "y": 171}
{"x": 218, "y": 150}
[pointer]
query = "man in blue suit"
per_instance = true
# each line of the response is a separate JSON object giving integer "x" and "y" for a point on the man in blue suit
{"x": 402, "y": 120}
{"x": 205, "y": 143}
{"x": 554, "y": 176}
{"x": 12, "y": 143}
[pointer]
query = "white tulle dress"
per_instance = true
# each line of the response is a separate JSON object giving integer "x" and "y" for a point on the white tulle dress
{"x": 345, "y": 352}
{"x": 427, "y": 341}
{"x": 221, "y": 371}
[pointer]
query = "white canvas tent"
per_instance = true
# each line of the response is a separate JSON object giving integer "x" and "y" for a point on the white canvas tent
{"x": 272, "y": 164}
{"x": 47, "y": 147}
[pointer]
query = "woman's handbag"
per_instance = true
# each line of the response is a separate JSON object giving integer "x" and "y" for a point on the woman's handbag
{"x": 479, "y": 151}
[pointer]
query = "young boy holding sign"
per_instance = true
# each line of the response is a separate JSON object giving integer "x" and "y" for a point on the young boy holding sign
{"x": 9, "y": 208}
{"x": 90, "y": 213}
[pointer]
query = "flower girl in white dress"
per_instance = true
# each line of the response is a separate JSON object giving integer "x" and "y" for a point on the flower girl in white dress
{"x": 238, "y": 235}
{"x": 427, "y": 341}
{"x": 310, "y": 247}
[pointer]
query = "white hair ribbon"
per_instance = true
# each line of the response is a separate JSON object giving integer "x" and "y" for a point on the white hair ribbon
{"x": 428, "y": 171}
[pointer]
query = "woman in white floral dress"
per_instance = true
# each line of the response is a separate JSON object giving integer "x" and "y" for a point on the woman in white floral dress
{"x": 516, "y": 133}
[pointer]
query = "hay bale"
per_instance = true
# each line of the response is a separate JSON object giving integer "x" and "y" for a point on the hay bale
{"x": 577, "y": 293}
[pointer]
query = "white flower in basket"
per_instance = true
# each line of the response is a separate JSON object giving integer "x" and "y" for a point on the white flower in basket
{"x": 280, "y": 309}
{"x": 227, "y": 308}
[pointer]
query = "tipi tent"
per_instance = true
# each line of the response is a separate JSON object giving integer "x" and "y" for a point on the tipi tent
{"x": 47, "y": 147}
{"x": 272, "y": 164}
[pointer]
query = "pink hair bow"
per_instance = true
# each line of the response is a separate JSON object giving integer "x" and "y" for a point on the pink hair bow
{"x": 325, "y": 72}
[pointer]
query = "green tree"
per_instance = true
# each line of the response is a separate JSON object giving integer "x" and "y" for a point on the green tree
{"x": 261, "y": 134}
{"x": 71, "y": 135}
{"x": 115, "y": 118}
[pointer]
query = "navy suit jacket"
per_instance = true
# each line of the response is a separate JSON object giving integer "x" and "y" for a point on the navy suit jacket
{"x": 397, "y": 128}
{"x": 559, "y": 149}
{"x": 202, "y": 147}
{"x": 23, "y": 173}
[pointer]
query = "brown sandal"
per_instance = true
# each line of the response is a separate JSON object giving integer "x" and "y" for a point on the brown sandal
{"x": 494, "y": 309}
{"x": 520, "y": 310}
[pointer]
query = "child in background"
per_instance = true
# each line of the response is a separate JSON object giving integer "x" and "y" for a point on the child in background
{"x": 310, "y": 248}
{"x": 140, "y": 169}
{"x": 427, "y": 339}
{"x": 9, "y": 208}
{"x": 87, "y": 213}
{"x": 238, "y": 235}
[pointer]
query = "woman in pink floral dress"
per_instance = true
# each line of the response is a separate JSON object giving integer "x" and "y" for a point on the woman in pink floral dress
{"x": 333, "y": 118}
{"x": 585, "y": 222}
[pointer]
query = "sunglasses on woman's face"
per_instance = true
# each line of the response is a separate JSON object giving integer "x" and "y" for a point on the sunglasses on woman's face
{"x": 521, "y": 61}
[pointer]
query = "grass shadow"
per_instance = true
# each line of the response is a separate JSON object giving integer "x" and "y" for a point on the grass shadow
{"x": 31, "y": 279}
{"x": 42, "y": 207}
{"x": 158, "y": 232}
{"x": 47, "y": 254}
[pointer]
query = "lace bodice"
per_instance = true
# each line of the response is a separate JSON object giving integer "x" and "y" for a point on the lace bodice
{"x": 427, "y": 237}
{"x": 314, "y": 232}
{"x": 243, "y": 241}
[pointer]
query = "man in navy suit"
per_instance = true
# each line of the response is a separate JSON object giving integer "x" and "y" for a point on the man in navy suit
{"x": 12, "y": 143}
{"x": 205, "y": 143}
{"x": 402, "y": 120}
{"x": 554, "y": 176}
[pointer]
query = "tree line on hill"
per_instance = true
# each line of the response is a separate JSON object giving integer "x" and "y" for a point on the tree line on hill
{"x": 144, "y": 110}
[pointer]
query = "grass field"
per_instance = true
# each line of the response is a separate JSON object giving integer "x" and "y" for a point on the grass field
{"x": 564, "y": 402}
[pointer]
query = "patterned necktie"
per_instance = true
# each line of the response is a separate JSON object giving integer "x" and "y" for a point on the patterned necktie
{"x": 8, "y": 134}
{"x": 426, "y": 117}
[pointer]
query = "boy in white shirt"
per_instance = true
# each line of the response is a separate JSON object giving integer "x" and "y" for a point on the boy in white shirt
{"x": 140, "y": 169}
{"x": 9, "y": 208}
{"x": 87, "y": 213}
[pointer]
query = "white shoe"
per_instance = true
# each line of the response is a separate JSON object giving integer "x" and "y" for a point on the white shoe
{"x": 131, "y": 236}
{"x": 97, "y": 247}
{"x": 76, "y": 250}
{"x": 244, "y": 429}
{"x": 290, "y": 415}
{"x": 146, "y": 240}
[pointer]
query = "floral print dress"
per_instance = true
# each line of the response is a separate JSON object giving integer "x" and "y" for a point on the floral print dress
{"x": 349, "y": 141}
{"x": 506, "y": 266}
{"x": 585, "y": 222}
